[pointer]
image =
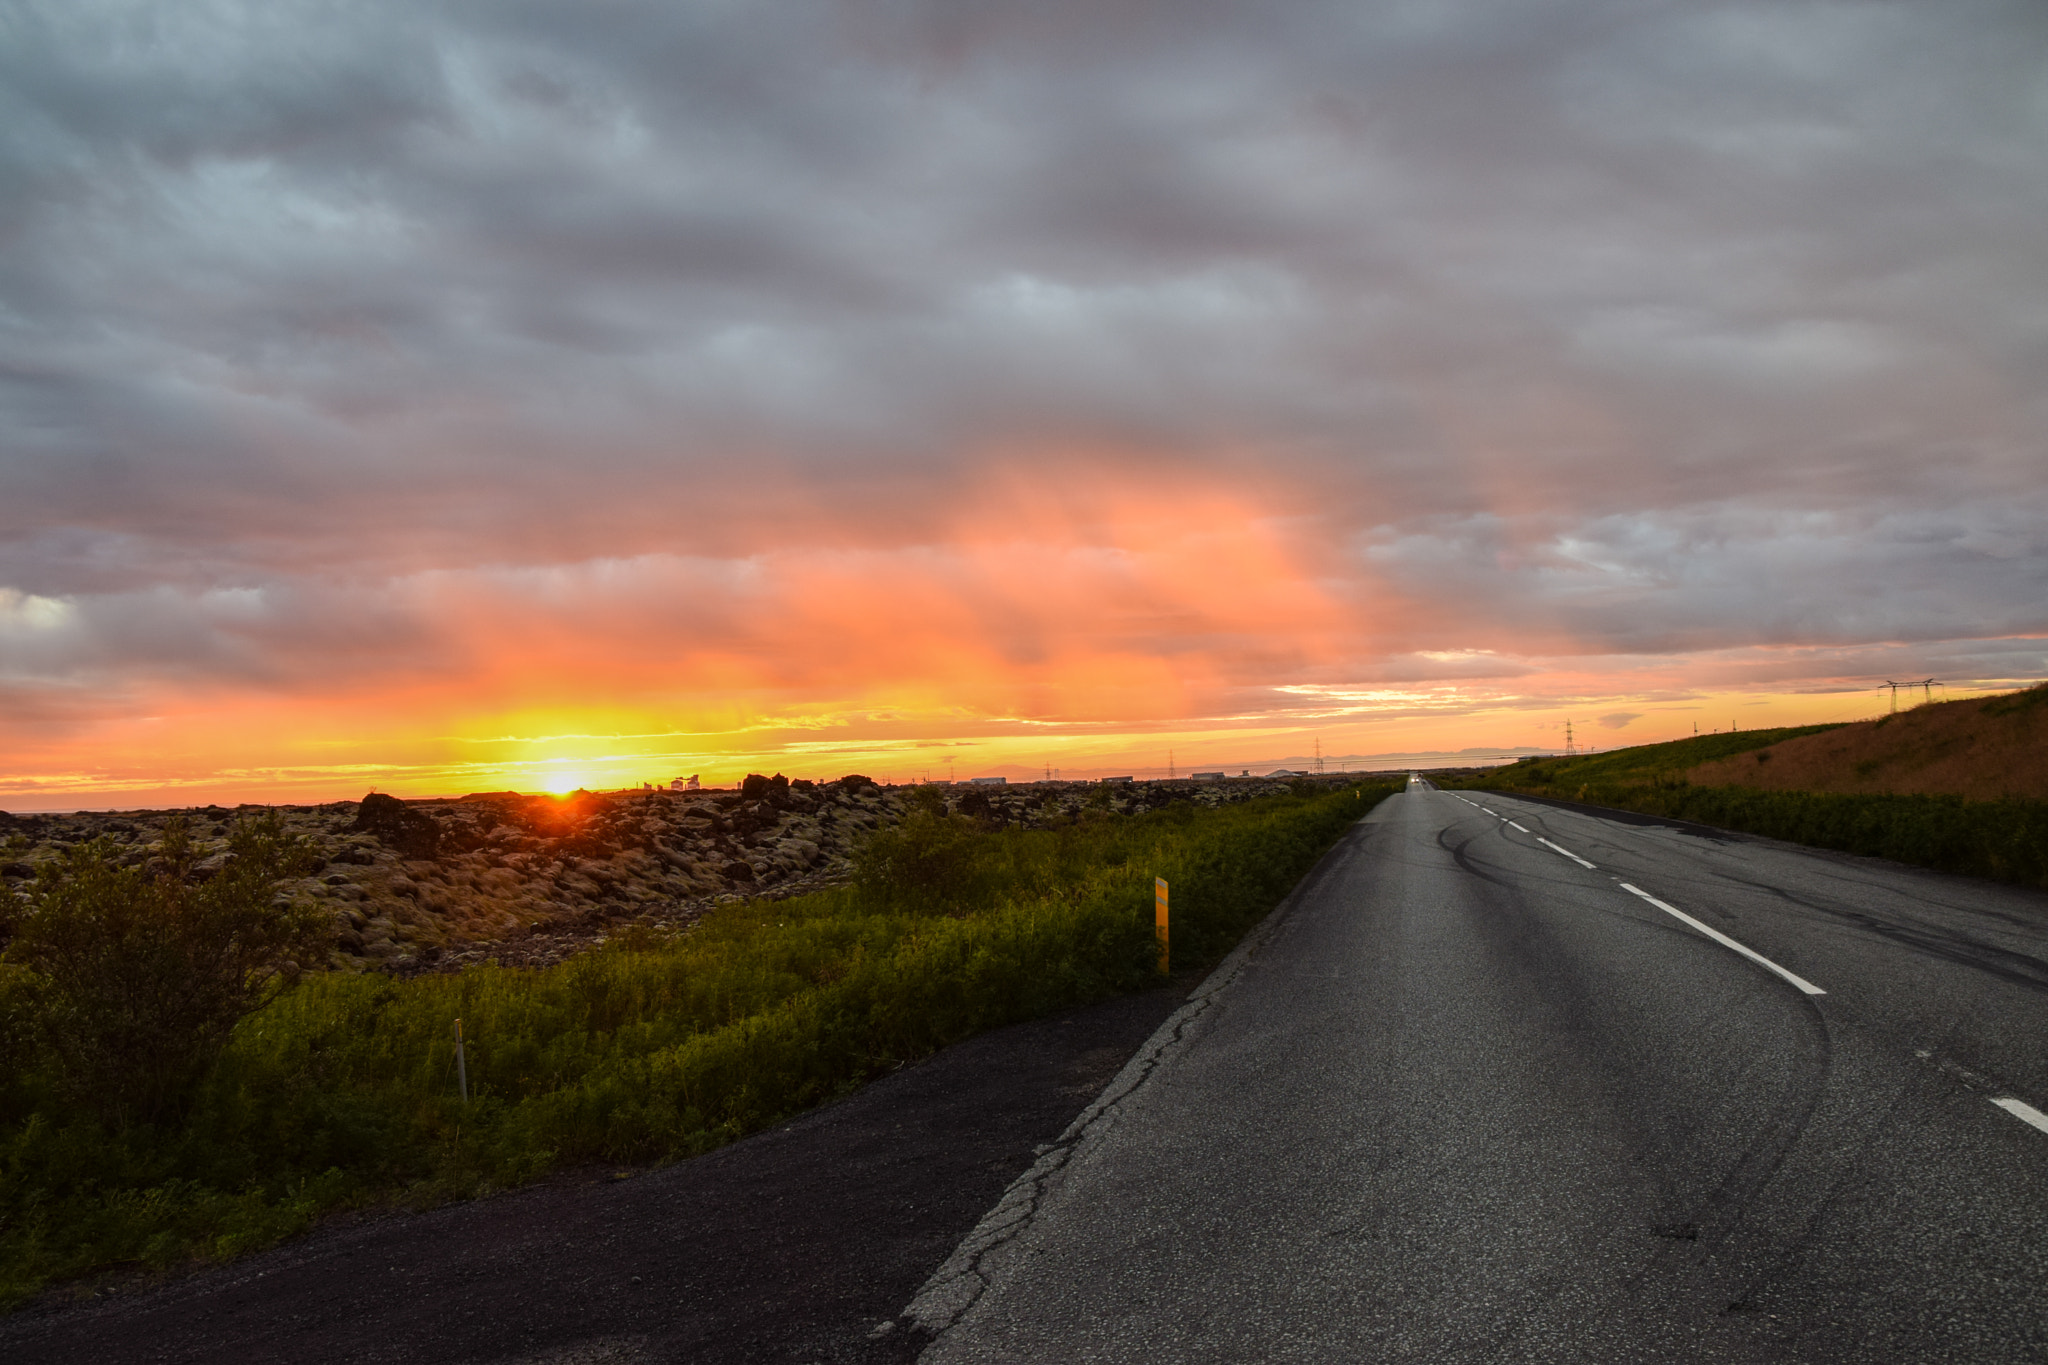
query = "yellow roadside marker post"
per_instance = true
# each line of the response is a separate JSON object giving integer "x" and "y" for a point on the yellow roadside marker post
{"x": 1159, "y": 919}
{"x": 461, "y": 1063}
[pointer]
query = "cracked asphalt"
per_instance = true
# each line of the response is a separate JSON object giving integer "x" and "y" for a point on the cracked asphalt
{"x": 1508, "y": 1081}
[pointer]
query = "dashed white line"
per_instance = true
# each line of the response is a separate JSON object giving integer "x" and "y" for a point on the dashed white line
{"x": 1515, "y": 826}
{"x": 1715, "y": 934}
{"x": 1565, "y": 851}
{"x": 2024, "y": 1112}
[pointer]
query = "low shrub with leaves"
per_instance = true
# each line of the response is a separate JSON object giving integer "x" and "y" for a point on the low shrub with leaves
{"x": 343, "y": 1090}
{"x": 131, "y": 979}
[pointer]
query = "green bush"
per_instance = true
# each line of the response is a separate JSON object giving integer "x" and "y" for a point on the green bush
{"x": 343, "y": 1090}
{"x": 2002, "y": 840}
{"x": 133, "y": 978}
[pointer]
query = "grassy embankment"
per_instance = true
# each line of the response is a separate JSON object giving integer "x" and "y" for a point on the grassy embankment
{"x": 1690, "y": 779}
{"x": 342, "y": 1092}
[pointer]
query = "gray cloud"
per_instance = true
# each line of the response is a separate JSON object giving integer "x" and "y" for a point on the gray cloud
{"x": 1576, "y": 326}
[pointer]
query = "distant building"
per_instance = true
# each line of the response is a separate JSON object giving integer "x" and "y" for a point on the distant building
{"x": 987, "y": 781}
{"x": 1125, "y": 778}
{"x": 685, "y": 784}
{"x": 1205, "y": 777}
{"x": 1285, "y": 772}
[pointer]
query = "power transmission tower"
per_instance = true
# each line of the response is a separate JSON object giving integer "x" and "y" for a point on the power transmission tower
{"x": 1319, "y": 755}
{"x": 1895, "y": 693}
{"x": 1171, "y": 772}
{"x": 1571, "y": 747}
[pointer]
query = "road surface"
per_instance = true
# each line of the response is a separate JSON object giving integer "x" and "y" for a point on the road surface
{"x": 1511, "y": 1081}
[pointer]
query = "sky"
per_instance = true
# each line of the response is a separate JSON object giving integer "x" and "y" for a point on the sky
{"x": 439, "y": 397}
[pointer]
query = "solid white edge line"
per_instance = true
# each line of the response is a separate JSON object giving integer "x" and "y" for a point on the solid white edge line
{"x": 1715, "y": 934}
{"x": 1566, "y": 852}
{"x": 2024, "y": 1112}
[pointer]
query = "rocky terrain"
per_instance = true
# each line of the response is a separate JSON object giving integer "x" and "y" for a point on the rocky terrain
{"x": 524, "y": 880}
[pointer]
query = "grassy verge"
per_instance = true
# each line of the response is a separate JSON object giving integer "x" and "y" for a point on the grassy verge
{"x": 343, "y": 1091}
{"x": 2003, "y": 840}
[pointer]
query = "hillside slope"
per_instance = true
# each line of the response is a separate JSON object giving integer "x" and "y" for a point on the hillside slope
{"x": 1665, "y": 764}
{"x": 1956, "y": 787}
{"x": 1982, "y": 749}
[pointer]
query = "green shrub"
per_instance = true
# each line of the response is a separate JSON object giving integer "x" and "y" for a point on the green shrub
{"x": 133, "y": 978}
{"x": 343, "y": 1091}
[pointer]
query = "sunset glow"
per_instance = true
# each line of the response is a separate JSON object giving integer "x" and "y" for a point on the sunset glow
{"x": 1072, "y": 413}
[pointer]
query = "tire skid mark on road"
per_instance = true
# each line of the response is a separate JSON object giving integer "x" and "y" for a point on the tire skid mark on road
{"x": 1726, "y": 942}
{"x": 1559, "y": 848}
{"x": 2021, "y": 969}
{"x": 1469, "y": 864}
{"x": 1720, "y": 1214}
{"x": 1791, "y": 1246}
{"x": 1981, "y": 1084}
{"x": 1697, "y": 1229}
{"x": 1593, "y": 836}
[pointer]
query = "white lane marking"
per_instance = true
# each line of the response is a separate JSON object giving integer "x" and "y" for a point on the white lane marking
{"x": 1490, "y": 812}
{"x": 1565, "y": 851}
{"x": 1518, "y": 827}
{"x": 2024, "y": 1112}
{"x": 1715, "y": 934}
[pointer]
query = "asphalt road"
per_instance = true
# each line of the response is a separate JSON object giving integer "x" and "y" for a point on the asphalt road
{"x": 1478, "y": 1095}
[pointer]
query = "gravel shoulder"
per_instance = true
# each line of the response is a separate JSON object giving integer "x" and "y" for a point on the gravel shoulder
{"x": 797, "y": 1244}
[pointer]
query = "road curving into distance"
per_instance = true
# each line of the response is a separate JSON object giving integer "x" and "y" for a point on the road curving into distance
{"x": 1512, "y": 1081}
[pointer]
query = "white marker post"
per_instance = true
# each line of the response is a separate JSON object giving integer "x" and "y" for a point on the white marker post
{"x": 461, "y": 1063}
{"x": 1159, "y": 920}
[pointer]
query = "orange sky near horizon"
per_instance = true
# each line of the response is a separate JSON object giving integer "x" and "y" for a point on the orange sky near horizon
{"x": 1115, "y": 629}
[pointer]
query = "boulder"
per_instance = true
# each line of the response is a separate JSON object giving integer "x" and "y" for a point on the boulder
{"x": 398, "y": 826}
{"x": 758, "y": 788}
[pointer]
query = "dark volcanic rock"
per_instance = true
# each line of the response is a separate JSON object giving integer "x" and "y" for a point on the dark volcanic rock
{"x": 399, "y": 827}
{"x": 525, "y": 879}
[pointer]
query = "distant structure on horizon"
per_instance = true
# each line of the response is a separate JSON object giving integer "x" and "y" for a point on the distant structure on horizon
{"x": 987, "y": 781}
{"x": 1205, "y": 777}
{"x": 685, "y": 784}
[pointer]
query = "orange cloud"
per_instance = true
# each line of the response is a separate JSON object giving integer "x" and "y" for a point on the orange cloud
{"x": 1057, "y": 617}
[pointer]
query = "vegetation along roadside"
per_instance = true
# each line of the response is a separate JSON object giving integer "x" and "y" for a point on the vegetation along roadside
{"x": 339, "y": 1089}
{"x": 1703, "y": 780}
